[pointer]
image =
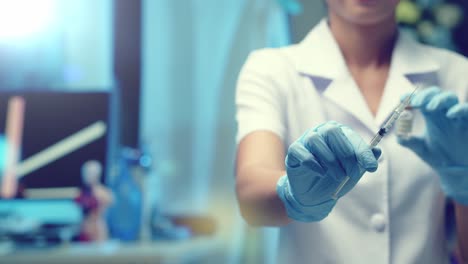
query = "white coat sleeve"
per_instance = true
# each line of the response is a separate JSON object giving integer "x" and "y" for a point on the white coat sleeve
{"x": 260, "y": 102}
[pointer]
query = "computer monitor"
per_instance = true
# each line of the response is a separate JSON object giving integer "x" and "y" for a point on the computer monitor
{"x": 46, "y": 137}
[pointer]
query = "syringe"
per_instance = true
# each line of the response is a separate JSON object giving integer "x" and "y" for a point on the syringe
{"x": 384, "y": 129}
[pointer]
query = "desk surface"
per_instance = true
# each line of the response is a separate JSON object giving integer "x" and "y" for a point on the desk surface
{"x": 199, "y": 250}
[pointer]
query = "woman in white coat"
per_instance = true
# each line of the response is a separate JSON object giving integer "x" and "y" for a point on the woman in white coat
{"x": 353, "y": 68}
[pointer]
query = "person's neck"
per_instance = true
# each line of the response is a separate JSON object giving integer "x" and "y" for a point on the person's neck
{"x": 364, "y": 45}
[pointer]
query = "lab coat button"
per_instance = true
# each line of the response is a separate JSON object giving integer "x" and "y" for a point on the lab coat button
{"x": 378, "y": 222}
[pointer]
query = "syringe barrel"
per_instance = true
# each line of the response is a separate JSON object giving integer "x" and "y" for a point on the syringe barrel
{"x": 375, "y": 141}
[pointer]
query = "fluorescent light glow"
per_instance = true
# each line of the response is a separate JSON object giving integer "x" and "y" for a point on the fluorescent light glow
{"x": 62, "y": 148}
{"x": 22, "y": 18}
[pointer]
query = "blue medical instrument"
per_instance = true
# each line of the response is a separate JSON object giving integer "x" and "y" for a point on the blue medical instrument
{"x": 384, "y": 129}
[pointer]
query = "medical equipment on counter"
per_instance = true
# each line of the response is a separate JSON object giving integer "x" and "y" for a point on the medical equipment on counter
{"x": 384, "y": 129}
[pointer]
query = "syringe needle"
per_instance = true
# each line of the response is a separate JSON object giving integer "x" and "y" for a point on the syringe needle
{"x": 394, "y": 116}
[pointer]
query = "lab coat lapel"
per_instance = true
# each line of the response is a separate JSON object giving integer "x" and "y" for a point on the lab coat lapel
{"x": 397, "y": 85}
{"x": 320, "y": 58}
{"x": 410, "y": 66}
{"x": 318, "y": 54}
{"x": 344, "y": 93}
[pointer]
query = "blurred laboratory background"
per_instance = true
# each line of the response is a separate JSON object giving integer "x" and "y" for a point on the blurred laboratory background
{"x": 117, "y": 129}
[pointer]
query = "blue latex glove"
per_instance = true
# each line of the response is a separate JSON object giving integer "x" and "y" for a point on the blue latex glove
{"x": 444, "y": 145}
{"x": 317, "y": 163}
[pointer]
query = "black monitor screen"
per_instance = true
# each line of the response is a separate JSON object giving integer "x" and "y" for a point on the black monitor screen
{"x": 45, "y": 138}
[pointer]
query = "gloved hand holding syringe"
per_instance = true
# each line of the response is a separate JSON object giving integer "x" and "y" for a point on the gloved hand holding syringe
{"x": 323, "y": 156}
{"x": 384, "y": 129}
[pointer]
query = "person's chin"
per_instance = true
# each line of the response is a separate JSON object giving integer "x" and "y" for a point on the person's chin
{"x": 367, "y": 3}
{"x": 368, "y": 21}
{"x": 371, "y": 17}
{"x": 369, "y": 7}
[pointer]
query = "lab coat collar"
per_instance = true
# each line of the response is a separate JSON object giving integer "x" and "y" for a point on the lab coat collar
{"x": 319, "y": 57}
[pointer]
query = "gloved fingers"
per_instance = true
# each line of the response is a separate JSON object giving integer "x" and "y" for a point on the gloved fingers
{"x": 315, "y": 144}
{"x": 299, "y": 156}
{"x": 344, "y": 151}
{"x": 335, "y": 139}
{"x": 417, "y": 144}
{"x": 296, "y": 155}
{"x": 303, "y": 169}
{"x": 338, "y": 145}
{"x": 377, "y": 152}
{"x": 355, "y": 172}
{"x": 363, "y": 154}
{"x": 458, "y": 112}
{"x": 442, "y": 102}
{"x": 323, "y": 128}
{"x": 324, "y": 156}
{"x": 422, "y": 98}
{"x": 367, "y": 160}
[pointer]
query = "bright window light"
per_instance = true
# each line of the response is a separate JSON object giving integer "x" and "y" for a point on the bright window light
{"x": 23, "y": 18}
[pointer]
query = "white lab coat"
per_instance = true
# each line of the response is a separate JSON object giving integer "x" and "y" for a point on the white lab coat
{"x": 395, "y": 215}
